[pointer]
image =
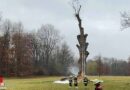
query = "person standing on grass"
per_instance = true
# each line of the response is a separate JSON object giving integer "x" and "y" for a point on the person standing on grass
{"x": 76, "y": 83}
{"x": 85, "y": 81}
{"x": 98, "y": 86}
{"x": 1, "y": 81}
{"x": 70, "y": 81}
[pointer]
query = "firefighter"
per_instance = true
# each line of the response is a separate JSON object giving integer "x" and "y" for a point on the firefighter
{"x": 1, "y": 81}
{"x": 70, "y": 81}
{"x": 85, "y": 81}
{"x": 98, "y": 86}
{"x": 75, "y": 82}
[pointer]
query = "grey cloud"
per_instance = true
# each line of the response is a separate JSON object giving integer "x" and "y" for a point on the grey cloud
{"x": 101, "y": 20}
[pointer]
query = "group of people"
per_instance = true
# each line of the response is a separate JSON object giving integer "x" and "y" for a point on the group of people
{"x": 74, "y": 80}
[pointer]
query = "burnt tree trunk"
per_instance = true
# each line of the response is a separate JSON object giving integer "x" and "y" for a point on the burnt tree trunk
{"x": 82, "y": 47}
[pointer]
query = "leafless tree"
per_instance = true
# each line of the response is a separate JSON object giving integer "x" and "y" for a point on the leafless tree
{"x": 82, "y": 47}
{"x": 99, "y": 65}
{"x": 77, "y": 6}
{"x": 4, "y": 47}
{"x": 125, "y": 20}
{"x": 48, "y": 38}
{"x": 21, "y": 51}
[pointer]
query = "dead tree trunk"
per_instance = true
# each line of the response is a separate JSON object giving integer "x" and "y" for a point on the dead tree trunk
{"x": 82, "y": 46}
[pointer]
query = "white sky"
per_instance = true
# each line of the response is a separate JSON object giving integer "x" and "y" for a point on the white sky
{"x": 101, "y": 20}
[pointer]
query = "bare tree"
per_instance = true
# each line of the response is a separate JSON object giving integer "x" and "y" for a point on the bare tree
{"x": 82, "y": 47}
{"x": 21, "y": 51}
{"x": 4, "y": 47}
{"x": 35, "y": 45}
{"x": 66, "y": 58}
{"x": 99, "y": 65}
{"x": 125, "y": 20}
{"x": 128, "y": 69}
{"x": 48, "y": 38}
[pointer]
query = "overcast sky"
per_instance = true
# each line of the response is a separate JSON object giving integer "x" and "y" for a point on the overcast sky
{"x": 101, "y": 20}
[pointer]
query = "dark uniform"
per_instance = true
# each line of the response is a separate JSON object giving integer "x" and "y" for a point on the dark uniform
{"x": 86, "y": 81}
{"x": 75, "y": 81}
{"x": 70, "y": 81}
{"x": 98, "y": 86}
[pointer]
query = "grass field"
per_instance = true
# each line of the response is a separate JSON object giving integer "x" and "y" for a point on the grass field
{"x": 46, "y": 83}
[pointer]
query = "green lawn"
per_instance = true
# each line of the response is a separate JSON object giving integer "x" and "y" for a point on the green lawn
{"x": 46, "y": 83}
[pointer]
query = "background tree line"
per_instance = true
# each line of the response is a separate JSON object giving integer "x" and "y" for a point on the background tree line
{"x": 108, "y": 66}
{"x": 23, "y": 53}
{"x": 44, "y": 52}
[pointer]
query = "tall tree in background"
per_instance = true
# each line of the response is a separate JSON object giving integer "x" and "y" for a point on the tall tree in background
{"x": 39, "y": 53}
{"x": 62, "y": 60}
{"x": 35, "y": 45}
{"x": 4, "y": 48}
{"x": 17, "y": 47}
{"x": 99, "y": 65}
{"x": 65, "y": 59}
{"x": 48, "y": 37}
{"x": 92, "y": 67}
{"x": 22, "y": 51}
{"x": 125, "y": 20}
{"x": 128, "y": 66}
